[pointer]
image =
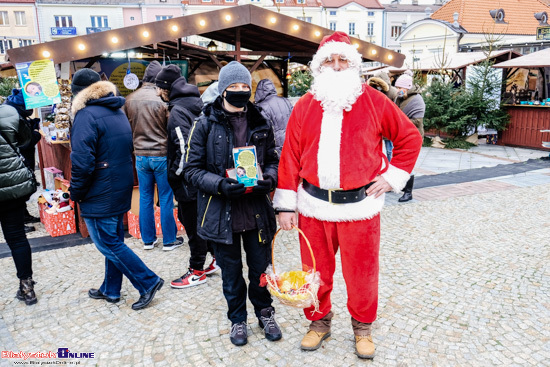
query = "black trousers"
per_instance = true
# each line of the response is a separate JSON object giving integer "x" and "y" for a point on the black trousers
{"x": 13, "y": 226}
{"x": 229, "y": 258}
{"x": 187, "y": 214}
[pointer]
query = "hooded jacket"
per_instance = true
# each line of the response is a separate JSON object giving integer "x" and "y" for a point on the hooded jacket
{"x": 185, "y": 106}
{"x": 208, "y": 157}
{"x": 147, "y": 114}
{"x": 275, "y": 109}
{"x": 15, "y": 184}
{"x": 101, "y": 140}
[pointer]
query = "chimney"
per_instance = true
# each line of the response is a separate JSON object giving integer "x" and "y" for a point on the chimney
{"x": 415, "y": 2}
{"x": 455, "y": 17}
{"x": 428, "y": 11}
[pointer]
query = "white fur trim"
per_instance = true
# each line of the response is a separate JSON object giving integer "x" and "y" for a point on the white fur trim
{"x": 284, "y": 199}
{"x": 328, "y": 156}
{"x": 396, "y": 177}
{"x": 338, "y": 48}
{"x": 310, "y": 206}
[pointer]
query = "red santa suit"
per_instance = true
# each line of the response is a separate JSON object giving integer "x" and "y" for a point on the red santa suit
{"x": 342, "y": 149}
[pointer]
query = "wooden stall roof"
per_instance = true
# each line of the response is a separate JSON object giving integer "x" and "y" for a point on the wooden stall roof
{"x": 256, "y": 30}
{"x": 539, "y": 59}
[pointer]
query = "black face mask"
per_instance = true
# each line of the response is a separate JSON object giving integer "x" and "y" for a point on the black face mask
{"x": 237, "y": 99}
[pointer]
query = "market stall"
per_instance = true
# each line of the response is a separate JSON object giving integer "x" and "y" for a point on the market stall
{"x": 526, "y": 95}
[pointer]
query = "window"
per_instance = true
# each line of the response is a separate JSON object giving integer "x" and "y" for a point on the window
{"x": 63, "y": 21}
{"x": 162, "y": 1}
{"x": 370, "y": 14}
{"x": 229, "y": 1}
{"x": 300, "y": 1}
{"x": 332, "y": 12}
{"x": 230, "y": 47}
{"x": 5, "y": 45}
{"x": 332, "y": 26}
{"x": 132, "y": 18}
{"x": 203, "y": 43}
{"x": 164, "y": 17}
{"x": 280, "y": 1}
{"x": 351, "y": 28}
{"x": 23, "y": 43}
{"x": 99, "y": 21}
{"x": 20, "y": 18}
{"x": 395, "y": 31}
{"x": 305, "y": 19}
{"x": 4, "y": 18}
{"x": 370, "y": 29}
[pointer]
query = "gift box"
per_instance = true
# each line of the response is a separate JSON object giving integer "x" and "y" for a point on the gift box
{"x": 57, "y": 224}
{"x": 50, "y": 174}
{"x": 491, "y": 139}
{"x": 133, "y": 223}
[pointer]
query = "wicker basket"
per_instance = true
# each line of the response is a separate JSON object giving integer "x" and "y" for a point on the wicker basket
{"x": 296, "y": 288}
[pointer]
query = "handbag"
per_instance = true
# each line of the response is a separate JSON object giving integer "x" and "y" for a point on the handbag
{"x": 31, "y": 178}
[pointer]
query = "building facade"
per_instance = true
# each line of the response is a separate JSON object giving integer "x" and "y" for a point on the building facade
{"x": 18, "y": 25}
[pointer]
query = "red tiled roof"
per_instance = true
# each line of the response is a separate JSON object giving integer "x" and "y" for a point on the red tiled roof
{"x": 17, "y": 1}
{"x": 369, "y": 4}
{"x": 475, "y": 18}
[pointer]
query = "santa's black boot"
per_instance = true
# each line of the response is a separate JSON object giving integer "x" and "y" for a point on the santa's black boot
{"x": 407, "y": 190}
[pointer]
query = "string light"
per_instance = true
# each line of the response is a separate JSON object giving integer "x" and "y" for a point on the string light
{"x": 296, "y": 27}
{"x": 390, "y": 57}
{"x": 273, "y": 20}
{"x": 174, "y": 28}
{"x": 228, "y": 17}
{"x": 46, "y": 54}
{"x": 81, "y": 46}
{"x": 145, "y": 34}
{"x": 356, "y": 45}
{"x": 114, "y": 40}
{"x": 373, "y": 52}
{"x": 202, "y": 23}
{"x": 317, "y": 33}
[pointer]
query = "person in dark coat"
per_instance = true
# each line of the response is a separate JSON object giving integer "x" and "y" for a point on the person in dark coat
{"x": 16, "y": 185}
{"x": 226, "y": 215}
{"x": 185, "y": 105}
{"x": 275, "y": 109}
{"x": 102, "y": 183}
{"x": 17, "y": 101}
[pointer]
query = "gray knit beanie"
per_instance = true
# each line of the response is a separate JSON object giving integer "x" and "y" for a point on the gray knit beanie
{"x": 234, "y": 72}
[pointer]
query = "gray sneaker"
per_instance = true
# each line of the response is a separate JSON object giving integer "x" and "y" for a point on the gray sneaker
{"x": 172, "y": 246}
{"x": 239, "y": 333}
{"x": 269, "y": 325}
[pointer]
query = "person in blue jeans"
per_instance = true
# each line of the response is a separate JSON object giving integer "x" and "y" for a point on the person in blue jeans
{"x": 148, "y": 116}
{"x": 102, "y": 183}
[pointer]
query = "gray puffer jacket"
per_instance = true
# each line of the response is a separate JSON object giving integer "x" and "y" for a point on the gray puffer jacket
{"x": 15, "y": 182}
{"x": 276, "y": 110}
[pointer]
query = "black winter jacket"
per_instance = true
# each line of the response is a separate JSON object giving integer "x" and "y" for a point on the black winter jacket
{"x": 209, "y": 156}
{"x": 185, "y": 106}
{"x": 102, "y": 176}
{"x": 274, "y": 108}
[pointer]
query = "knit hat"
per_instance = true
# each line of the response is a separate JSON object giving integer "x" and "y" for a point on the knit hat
{"x": 151, "y": 71}
{"x": 167, "y": 76}
{"x": 83, "y": 78}
{"x": 232, "y": 73}
{"x": 337, "y": 43}
{"x": 404, "y": 81}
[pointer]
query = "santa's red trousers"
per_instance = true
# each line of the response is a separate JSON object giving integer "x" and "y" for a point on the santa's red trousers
{"x": 359, "y": 244}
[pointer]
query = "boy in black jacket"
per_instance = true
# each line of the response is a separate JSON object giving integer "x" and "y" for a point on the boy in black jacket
{"x": 226, "y": 215}
{"x": 185, "y": 105}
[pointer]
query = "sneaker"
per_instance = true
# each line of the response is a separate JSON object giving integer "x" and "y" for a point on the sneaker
{"x": 268, "y": 323}
{"x": 172, "y": 246}
{"x": 189, "y": 279}
{"x": 150, "y": 245}
{"x": 239, "y": 333}
{"x": 212, "y": 268}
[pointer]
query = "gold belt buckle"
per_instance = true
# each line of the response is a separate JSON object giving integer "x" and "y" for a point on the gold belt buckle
{"x": 330, "y": 195}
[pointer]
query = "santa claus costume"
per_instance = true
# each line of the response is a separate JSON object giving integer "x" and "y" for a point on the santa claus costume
{"x": 332, "y": 151}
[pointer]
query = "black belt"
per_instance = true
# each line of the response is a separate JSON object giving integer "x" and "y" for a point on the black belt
{"x": 337, "y": 196}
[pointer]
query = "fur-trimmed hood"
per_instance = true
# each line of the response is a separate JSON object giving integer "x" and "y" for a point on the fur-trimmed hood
{"x": 100, "y": 93}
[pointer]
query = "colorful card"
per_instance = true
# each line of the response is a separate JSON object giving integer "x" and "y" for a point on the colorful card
{"x": 246, "y": 165}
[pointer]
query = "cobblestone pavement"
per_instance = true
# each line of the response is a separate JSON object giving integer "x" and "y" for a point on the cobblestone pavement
{"x": 464, "y": 281}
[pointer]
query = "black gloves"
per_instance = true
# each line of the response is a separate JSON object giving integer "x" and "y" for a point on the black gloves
{"x": 231, "y": 188}
{"x": 263, "y": 186}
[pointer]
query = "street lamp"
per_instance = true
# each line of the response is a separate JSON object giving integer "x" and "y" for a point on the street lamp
{"x": 212, "y": 46}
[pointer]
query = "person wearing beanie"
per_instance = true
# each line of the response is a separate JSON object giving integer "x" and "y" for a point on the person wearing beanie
{"x": 28, "y": 151}
{"x": 185, "y": 106}
{"x": 83, "y": 78}
{"x": 148, "y": 116}
{"x": 334, "y": 173}
{"x": 229, "y": 216}
{"x": 412, "y": 104}
{"x": 102, "y": 182}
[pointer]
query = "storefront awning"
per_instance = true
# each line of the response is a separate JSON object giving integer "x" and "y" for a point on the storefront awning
{"x": 539, "y": 59}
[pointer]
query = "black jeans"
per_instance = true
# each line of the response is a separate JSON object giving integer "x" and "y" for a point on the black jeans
{"x": 13, "y": 226}
{"x": 229, "y": 258}
{"x": 187, "y": 214}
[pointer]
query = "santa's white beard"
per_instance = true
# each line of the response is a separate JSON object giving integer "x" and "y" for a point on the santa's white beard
{"x": 337, "y": 90}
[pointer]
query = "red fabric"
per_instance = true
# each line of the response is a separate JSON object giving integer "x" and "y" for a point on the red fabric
{"x": 359, "y": 244}
{"x": 335, "y": 37}
{"x": 372, "y": 117}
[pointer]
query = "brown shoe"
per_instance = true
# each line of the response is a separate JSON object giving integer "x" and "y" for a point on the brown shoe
{"x": 313, "y": 340}
{"x": 364, "y": 347}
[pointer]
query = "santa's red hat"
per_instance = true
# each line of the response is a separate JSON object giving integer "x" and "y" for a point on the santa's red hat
{"x": 337, "y": 43}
